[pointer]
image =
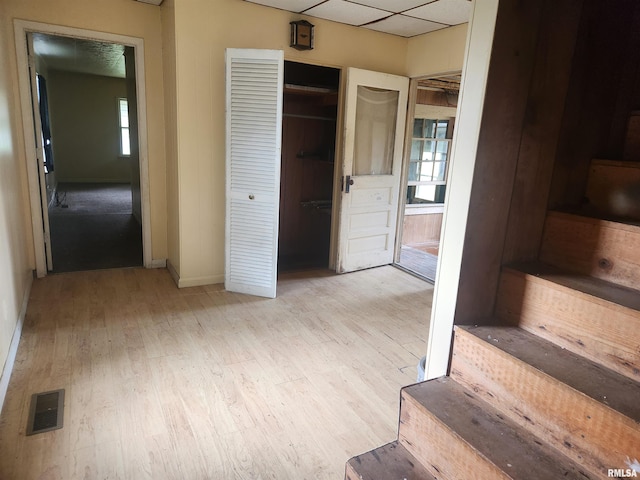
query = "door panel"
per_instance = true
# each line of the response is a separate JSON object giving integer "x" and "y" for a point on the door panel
{"x": 375, "y": 115}
{"x": 37, "y": 123}
{"x": 254, "y": 81}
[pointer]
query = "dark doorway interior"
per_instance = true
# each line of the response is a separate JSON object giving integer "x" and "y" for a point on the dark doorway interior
{"x": 92, "y": 227}
{"x": 310, "y": 112}
{"x": 93, "y": 188}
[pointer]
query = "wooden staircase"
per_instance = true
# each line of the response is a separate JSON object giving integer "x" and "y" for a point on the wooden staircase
{"x": 552, "y": 389}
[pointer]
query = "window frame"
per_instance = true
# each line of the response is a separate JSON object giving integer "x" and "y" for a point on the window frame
{"x": 448, "y": 139}
{"x": 122, "y": 129}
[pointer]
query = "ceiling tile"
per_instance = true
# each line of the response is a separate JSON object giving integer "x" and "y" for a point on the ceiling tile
{"x": 450, "y": 12}
{"x": 290, "y": 5}
{"x": 404, "y": 26}
{"x": 395, "y": 6}
{"x": 346, "y": 12}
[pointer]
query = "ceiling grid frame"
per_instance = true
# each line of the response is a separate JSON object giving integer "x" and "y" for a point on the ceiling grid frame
{"x": 405, "y": 18}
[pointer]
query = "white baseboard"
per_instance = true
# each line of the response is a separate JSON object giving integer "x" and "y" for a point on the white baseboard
{"x": 173, "y": 272}
{"x": 194, "y": 281}
{"x": 158, "y": 263}
{"x": 200, "y": 281}
{"x": 13, "y": 347}
{"x": 95, "y": 180}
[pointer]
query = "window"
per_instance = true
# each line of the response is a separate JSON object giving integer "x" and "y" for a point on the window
{"x": 123, "y": 116}
{"x": 45, "y": 131}
{"x": 430, "y": 146}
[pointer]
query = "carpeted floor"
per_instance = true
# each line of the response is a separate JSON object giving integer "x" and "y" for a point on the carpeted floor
{"x": 92, "y": 227}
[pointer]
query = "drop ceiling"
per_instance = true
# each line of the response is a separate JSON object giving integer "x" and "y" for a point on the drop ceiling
{"x": 406, "y": 18}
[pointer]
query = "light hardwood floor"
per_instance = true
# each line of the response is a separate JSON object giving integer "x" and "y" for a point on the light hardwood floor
{"x": 201, "y": 383}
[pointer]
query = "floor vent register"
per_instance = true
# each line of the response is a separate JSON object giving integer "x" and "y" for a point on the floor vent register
{"x": 45, "y": 412}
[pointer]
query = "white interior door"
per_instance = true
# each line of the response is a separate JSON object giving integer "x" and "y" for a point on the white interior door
{"x": 254, "y": 82}
{"x": 375, "y": 116}
{"x": 37, "y": 123}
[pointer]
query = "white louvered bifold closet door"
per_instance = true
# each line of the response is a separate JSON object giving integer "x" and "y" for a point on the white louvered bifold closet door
{"x": 254, "y": 132}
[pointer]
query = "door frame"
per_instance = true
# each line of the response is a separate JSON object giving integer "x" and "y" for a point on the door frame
{"x": 411, "y": 113}
{"x": 338, "y": 171}
{"x": 40, "y": 150}
{"x": 475, "y": 72}
{"x": 408, "y": 131}
{"x": 21, "y": 29}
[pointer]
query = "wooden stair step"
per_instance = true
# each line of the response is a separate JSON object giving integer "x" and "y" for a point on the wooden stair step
{"x": 591, "y": 246}
{"x": 596, "y": 287}
{"x": 507, "y": 367}
{"x": 456, "y": 434}
{"x": 589, "y": 316}
{"x": 607, "y": 179}
{"x": 390, "y": 461}
{"x": 592, "y": 379}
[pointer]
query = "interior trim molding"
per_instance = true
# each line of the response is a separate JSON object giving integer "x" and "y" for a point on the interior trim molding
{"x": 158, "y": 263}
{"x": 94, "y": 180}
{"x": 13, "y": 347}
{"x": 174, "y": 273}
{"x": 193, "y": 281}
{"x": 21, "y": 29}
{"x": 200, "y": 281}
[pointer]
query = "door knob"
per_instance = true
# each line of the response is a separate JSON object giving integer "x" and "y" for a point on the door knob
{"x": 348, "y": 182}
{"x": 251, "y": 196}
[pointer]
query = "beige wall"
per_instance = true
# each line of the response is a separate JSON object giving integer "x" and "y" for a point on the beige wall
{"x": 437, "y": 52}
{"x": 85, "y": 128}
{"x": 203, "y": 29}
{"x": 186, "y": 158}
{"x": 124, "y": 17}
{"x": 171, "y": 139}
{"x": 15, "y": 260}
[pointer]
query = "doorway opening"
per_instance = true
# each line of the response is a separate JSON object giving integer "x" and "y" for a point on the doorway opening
{"x": 93, "y": 204}
{"x": 427, "y": 167}
{"x": 310, "y": 113}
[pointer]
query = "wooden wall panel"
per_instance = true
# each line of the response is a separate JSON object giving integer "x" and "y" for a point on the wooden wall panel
{"x": 541, "y": 129}
{"x": 512, "y": 61}
{"x": 628, "y": 91}
{"x": 432, "y": 97}
{"x": 600, "y": 96}
{"x": 307, "y": 175}
{"x": 554, "y": 93}
{"x": 418, "y": 229}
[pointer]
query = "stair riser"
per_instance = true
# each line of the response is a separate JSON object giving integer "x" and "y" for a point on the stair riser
{"x": 350, "y": 473}
{"x": 440, "y": 450}
{"x": 593, "y": 247}
{"x": 590, "y": 433}
{"x": 599, "y": 330}
{"x": 613, "y": 186}
{"x": 632, "y": 139}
